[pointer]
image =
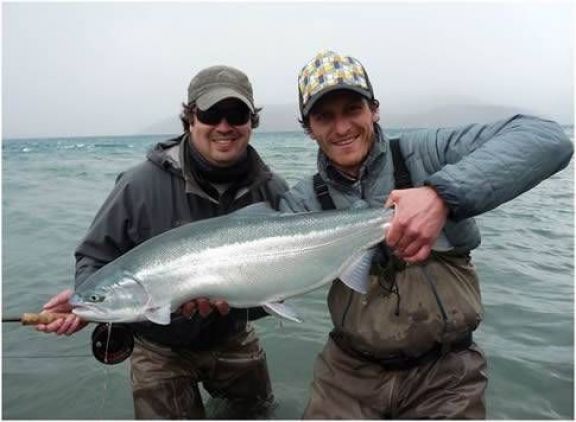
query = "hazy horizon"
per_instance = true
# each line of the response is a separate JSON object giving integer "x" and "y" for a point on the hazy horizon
{"x": 105, "y": 69}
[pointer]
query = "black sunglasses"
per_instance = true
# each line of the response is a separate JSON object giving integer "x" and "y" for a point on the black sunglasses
{"x": 236, "y": 116}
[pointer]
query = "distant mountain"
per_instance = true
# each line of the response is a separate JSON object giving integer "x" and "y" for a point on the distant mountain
{"x": 166, "y": 126}
{"x": 284, "y": 117}
{"x": 448, "y": 115}
{"x": 279, "y": 118}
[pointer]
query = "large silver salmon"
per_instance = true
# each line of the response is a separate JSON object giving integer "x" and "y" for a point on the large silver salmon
{"x": 249, "y": 258}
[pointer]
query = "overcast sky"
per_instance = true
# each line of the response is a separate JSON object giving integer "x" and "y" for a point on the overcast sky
{"x": 75, "y": 69}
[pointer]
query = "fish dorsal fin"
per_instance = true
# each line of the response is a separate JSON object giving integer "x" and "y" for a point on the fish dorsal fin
{"x": 281, "y": 310}
{"x": 159, "y": 314}
{"x": 259, "y": 209}
{"x": 355, "y": 275}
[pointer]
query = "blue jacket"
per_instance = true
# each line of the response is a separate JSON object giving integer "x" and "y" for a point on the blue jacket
{"x": 474, "y": 168}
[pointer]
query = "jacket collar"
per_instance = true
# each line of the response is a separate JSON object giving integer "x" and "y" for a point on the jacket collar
{"x": 168, "y": 155}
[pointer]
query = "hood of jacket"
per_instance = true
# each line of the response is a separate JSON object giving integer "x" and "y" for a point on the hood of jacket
{"x": 168, "y": 156}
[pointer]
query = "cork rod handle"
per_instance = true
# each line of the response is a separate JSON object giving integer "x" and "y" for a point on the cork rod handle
{"x": 47, "y": 318}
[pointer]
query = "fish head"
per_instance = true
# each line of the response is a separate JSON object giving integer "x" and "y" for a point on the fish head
{"x": 122, "y": 299}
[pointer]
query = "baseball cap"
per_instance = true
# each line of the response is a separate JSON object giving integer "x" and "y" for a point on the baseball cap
{"x": 216, "y": 83}
{"x": 329, "y": 71}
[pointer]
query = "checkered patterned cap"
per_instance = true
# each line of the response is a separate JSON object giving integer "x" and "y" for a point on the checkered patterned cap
{"x": 327, "y": 72}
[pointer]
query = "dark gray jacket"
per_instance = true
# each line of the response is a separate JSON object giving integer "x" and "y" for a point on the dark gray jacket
{"x": 153, "y": 197}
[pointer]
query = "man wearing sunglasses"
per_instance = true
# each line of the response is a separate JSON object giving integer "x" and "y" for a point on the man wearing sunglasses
{"x": 208, "y": 171}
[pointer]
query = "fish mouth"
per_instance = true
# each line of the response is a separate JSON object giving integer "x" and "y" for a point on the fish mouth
{"x": 91, "y": 313}
{"x": 88, "y": 312}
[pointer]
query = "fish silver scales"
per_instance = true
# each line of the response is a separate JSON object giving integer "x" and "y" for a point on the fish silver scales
{"x": 247, "y": 260}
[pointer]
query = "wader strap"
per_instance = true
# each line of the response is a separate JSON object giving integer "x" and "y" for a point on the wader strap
{"x": 322, "y": 194}
{"x": 402, "y": 179}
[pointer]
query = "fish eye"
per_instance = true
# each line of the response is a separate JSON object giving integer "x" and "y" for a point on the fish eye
{"x": 95, "y": 298}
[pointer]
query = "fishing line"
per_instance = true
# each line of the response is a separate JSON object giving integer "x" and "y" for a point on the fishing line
{"x": 105, "y": 388}
{"x": 44, "y": 356}
{"x": 33, "y": 319}
{"x": 109, "y": 326}
{"x": 111, "y": 343}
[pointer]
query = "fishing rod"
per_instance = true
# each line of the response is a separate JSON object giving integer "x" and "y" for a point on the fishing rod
{"x": 111, "y": 343}
{"x": 35, "y": 319}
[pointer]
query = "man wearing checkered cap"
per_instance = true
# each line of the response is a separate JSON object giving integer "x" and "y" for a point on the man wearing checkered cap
{"x": 404, "y": 350}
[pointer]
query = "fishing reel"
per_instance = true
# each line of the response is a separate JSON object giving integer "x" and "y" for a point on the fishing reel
{"x": 112, "y": 343}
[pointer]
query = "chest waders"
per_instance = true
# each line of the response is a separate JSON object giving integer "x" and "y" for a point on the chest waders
{"x": 386, "y": 271}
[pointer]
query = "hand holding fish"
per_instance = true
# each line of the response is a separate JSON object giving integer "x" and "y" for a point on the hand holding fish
{"x": 418, "y": 219}
{"x": 62, "y": 326}
{"x": 251, "y": 258}
{"x": 204, "y": 307}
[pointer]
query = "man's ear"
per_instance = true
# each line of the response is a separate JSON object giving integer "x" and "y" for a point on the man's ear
{"x": 255, "y": 120}
{"x": 376, "y": 115}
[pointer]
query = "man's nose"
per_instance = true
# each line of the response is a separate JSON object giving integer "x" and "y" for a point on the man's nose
{"x": 223, "y": 125}
{"x": 342, "y": 125}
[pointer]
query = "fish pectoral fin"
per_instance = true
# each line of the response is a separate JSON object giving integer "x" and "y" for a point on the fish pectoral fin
{"x": 355, "y": 275}
{"x": 442, "y": 244}
{"x": 159, "y": 314}
{"x": 281, "y": 310}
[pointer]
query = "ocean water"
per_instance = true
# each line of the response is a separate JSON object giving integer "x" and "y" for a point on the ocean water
{"x": 51, "y": 189}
